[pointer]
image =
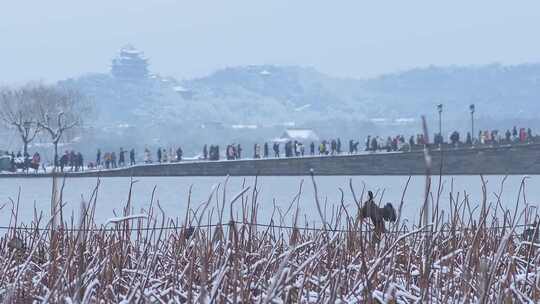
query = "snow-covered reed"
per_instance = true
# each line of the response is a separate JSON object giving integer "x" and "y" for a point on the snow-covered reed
{"x": 473, "y": 254}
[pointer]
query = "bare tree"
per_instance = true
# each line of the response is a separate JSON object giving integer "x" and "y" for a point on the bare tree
{"x": 60, "y": 109}
{"x": 18, "y": 110}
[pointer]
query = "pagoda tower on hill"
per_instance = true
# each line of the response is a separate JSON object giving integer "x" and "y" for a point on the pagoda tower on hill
{"x": 130, "y": 64}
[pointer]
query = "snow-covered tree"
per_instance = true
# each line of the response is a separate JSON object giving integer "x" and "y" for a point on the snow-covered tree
{"x": 59, "y": 109}
{"x": 18, "y": 111}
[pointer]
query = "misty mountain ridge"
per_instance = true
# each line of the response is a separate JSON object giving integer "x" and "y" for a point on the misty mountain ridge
{"x": 276, "y": 97}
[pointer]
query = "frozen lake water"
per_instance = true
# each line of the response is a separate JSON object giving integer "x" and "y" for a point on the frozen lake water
{"x": 172, "y": 193}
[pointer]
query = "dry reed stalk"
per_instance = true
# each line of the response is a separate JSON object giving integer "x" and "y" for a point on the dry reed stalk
{"x": 159, "y": 259}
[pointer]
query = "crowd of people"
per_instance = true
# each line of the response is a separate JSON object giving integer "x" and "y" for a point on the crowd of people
{"x": 162, "y": 155}
{"x": 485, "y": 137}
{"x": 521, "y": 135}
{"x": 23, "y": 161}
{"x": 295, "y": 148}
{"x": 489, "y": 137}
{"x": 111, "y": 160}
{"x": 74, "y": 162}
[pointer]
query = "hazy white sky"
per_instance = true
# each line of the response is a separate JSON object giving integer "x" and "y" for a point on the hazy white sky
{"x": 51, "y": 40}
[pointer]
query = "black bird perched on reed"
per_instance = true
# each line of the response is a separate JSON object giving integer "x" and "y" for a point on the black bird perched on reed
{"x": 188, "y": 232}
{"x": 376, "y": 214}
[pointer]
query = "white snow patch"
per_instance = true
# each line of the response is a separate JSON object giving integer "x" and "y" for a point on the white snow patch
{"x": 306, "y": 106}
{"x": 115, "y": 220}
{"x": 244, "y": 126}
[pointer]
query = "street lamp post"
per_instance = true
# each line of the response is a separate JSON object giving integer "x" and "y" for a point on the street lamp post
{"x": 439, "y": 109}
{"x": 26, "y": 125}
{"x": 471, "y": 107}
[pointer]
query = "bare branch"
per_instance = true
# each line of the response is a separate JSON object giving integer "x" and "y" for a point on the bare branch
{"x": 18, "y": 110}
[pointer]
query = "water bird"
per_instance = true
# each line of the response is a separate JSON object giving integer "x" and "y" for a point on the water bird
{"x": 377, "y": 214}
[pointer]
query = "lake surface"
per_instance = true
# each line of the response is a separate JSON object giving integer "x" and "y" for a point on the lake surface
{"x": 172, "y": 194}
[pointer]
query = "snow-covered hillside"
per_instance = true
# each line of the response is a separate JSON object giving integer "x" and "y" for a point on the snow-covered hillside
{"x": 163, "y": 110}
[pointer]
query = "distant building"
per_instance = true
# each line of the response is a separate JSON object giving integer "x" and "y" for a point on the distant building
{"x": 302, "y": 135}
{"x": 130, "y": 64}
